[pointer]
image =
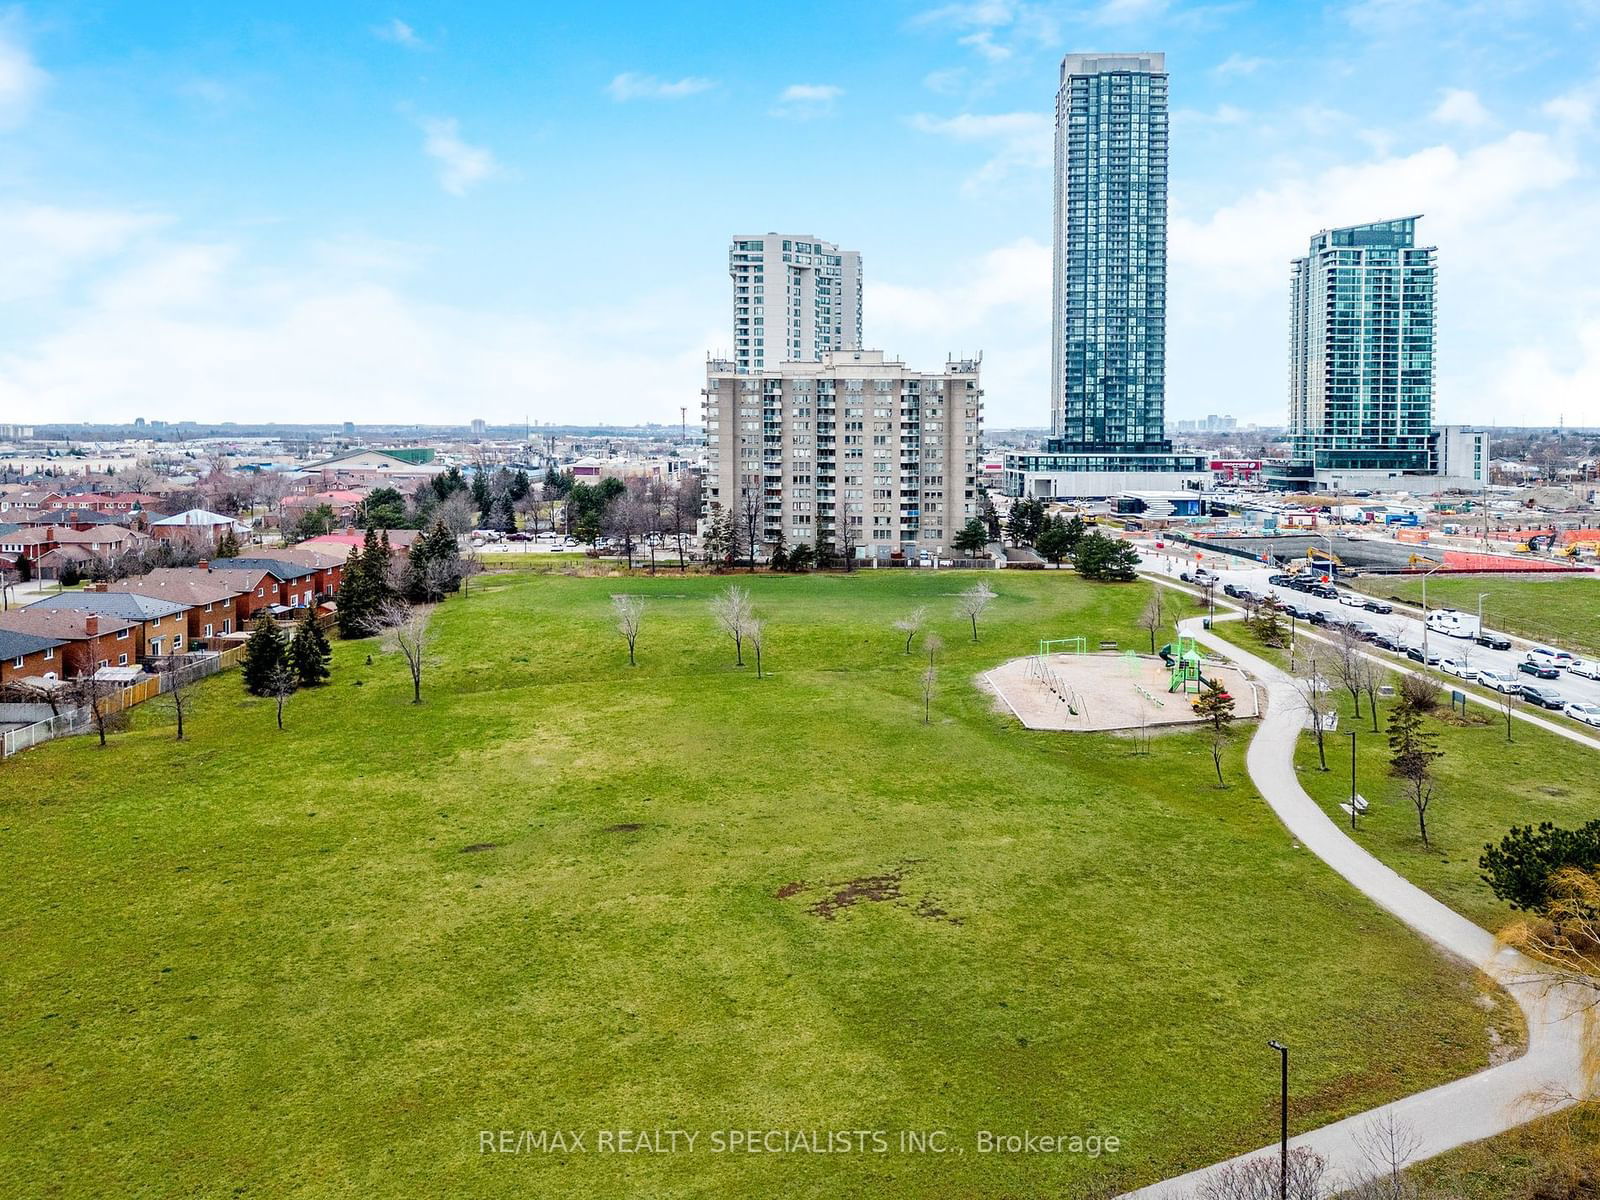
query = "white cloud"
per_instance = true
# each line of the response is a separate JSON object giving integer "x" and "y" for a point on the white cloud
{"x": 461, "y": 166}
{"x": 21, "y": 79}
{"x": 1238, "y": 64}
{"x": 800, "y": 101}
{"x": 983, "y": 42}
{"x": 44, "y": 246}
{"x": 1020, "y": 140}
{"x": 1223, "y": 114}
{"x": 965, "y": 16}
{"x": 1574, "y": 109}
{"x": 631, "y": 86}
{"x": 1126, "y": 12}
{"x": 947, "y": 81}
{"x": 401, "y": 34}
{"x": 1457, "y": 106}
{"x": 193, "y": 322}
{"x": 998, "y": 302}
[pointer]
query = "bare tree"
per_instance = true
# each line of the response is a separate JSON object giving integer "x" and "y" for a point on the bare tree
{"x": 1508, "y": 705}
{"x": 99, "y": 697}
{"x": 930, "y": 681}
{"x": 470, "y": 565}
{"x": 751, "y": 506}
{"x": 457, "y": 512}
{"x": 1261, "y": 1178}
{"x": 1389, "y": 1145}
{"x": 844, "y": 539}
{"x": 405, "y": 628}
{"x": 732, "y": 611}
{"x": 1310, "y": 685}
{"x": 756, "y": 633}
{"x": 912, "y": 624}
{"x": 1372, "y": 675}
{"x": 629, "y": 612}
{"x": 1345, "y": 662}
{"x": 1154, "y": 617}
{"x": 683, "y": 513}
{"x": 281, "y": 684}
{"x": 180, "y": 677}
{"x": 973, "y": 602}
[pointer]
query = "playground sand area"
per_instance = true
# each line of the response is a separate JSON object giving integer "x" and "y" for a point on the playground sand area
{"x": 1107, "y": 690}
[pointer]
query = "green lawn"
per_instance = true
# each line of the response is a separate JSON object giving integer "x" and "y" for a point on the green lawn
{"x": 567, "y": 894}
{"x": 1566, "y": 611}
{"x": 1556, "y": 1156}
{"x": 1485, "y": 786}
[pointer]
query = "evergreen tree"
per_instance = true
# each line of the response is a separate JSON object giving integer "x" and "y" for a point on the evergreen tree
{"x": 519, "y": 486}
{"x": 309, "y": 652}
{"x": 228, "y": 544}
{"x": 263, "y": 654}
{"x": 972, "y": 537}
{"x": 1101, "y": 558}
{"x": 1053, "y": 540}
{"x": 376, "y": 557}
{"x": 355, "y": 597}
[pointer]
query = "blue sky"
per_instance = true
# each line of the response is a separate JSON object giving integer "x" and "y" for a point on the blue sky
{"x": 432, "y": 212}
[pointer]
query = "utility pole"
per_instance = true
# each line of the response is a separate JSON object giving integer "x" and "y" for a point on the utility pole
{"x": 1283, "y": 1124}
{"x": 683, "y": 414}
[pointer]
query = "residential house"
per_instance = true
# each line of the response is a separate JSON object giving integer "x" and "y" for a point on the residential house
{"x": 327, "y": 561}
{"x": 162, "y": 626}
{"x": 342, "y": 543}
{"x": 343, "y": 501}
{"x": 296, "y": 581}
{"x": 210, "y": 603}
{"x": 119, "y": 504}
{"x": 197, "y": 526}
{"x": 373, "y": 468}
{"x": 39, "y": 544}
{"x": 90, "y": 640}
{"x": 26, "y": 654}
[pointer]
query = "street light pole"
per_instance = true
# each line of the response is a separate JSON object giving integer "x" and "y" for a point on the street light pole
{"x": 1352, "y": 779}
{"x": 1481, "y": 595}
{"x": 1283, "y": 1123}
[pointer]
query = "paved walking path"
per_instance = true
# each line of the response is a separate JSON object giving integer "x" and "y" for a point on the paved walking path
{"x": 1454, "y": 1114}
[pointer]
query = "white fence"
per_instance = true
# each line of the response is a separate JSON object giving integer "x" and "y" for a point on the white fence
{"x": 77, "y": 719}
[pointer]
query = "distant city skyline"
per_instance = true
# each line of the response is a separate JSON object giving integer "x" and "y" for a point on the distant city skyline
{"x": 485, "y": 208}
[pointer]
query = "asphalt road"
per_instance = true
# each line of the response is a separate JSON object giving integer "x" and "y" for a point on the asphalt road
{"x": 1409, "y": 628}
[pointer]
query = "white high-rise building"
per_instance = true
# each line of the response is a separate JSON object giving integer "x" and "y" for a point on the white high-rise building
{"x": 795, "y": 298}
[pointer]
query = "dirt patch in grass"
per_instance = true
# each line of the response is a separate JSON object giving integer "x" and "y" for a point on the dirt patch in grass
{"x": 624, "y": 827}
{"x": 883, "y": 888}
{"x": 480, "y": 847}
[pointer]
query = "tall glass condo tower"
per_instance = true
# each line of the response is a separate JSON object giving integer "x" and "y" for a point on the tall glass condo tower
{"x": 1361, "y": 328}
{"x": 1110, "y": 286}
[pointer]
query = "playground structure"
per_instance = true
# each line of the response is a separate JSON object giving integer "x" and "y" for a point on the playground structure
{"x": 1084, "y": 691}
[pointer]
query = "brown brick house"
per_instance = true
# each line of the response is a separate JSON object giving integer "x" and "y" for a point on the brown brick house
{"x": 91, "y": 641}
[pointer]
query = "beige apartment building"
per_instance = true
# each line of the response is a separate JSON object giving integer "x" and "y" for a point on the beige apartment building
{"x": 795, "y": 298}
{"x": 891, "y": 452}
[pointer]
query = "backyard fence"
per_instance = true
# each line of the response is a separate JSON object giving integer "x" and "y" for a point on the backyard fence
{"x": 77, "y": 719}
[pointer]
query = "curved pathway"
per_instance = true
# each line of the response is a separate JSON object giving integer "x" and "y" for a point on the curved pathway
{"x": 1466, "y": 1110}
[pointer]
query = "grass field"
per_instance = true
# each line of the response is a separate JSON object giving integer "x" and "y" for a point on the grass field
{"x": 1566, "y": 611}
{"x": 567, "y": 894}
{"x": 1485, "y": 786}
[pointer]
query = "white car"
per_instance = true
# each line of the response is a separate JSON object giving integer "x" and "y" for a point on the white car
{"x": 1500, "y": 681}
{"x": 1589, "y": 714}
{"x": 1458, "y": 667}
{"x": 1588, "y": 668}
{"x": 1352, "y": 600}
{"x": 1544, "y": 658}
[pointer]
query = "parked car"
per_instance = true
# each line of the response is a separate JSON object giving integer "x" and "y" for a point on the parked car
{"x": 1495, "y": 641}
{"x": 1539, "y": 670}
{"x": 1587, "y": 668}
{"x": 1229, "y": 589}
{"x": 1561, "y": 658}
{"x": 1319, "y": 617}
{"x": 1589, "y": 714}
{"x": 1324, "y": 591}
{"x": 1459, "y": 668}
{"x": 1544, "y": 697}
{"x": 1351, "y": 600}
{"x": 1387, "y": 641}
{"x": 1428, "y": 658}
{"x": 1364, "y": 630}
{"x": 1500, "y": 681}
{"x": 1280, "y": 580}
{"x": 1378, "y": 606}
{"x": 1298, "y": 611}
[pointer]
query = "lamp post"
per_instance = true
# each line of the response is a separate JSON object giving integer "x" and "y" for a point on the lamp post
{"x": 1283, "y": 1123}
{"x": 1352, "y": 779}
{"x": 1481, "y": 596}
